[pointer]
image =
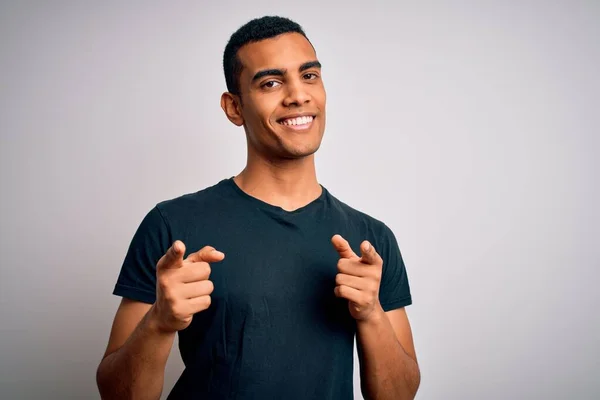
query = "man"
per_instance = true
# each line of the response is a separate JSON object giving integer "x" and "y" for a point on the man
{"x": 266, "y": 276}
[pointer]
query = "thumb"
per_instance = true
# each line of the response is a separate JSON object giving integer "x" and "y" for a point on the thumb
{"x": 206, "y": 254}
{"x": 342, "y": 246}
{"x": 173, "y": 257}
{"x": 368, "y": 253}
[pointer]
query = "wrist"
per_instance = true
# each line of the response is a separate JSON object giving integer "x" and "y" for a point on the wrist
{"x": 374, "y": 318}
{"x": 154, "y": 323}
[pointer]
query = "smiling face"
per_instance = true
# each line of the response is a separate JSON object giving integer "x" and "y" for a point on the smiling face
{"x": 282, "y": 97}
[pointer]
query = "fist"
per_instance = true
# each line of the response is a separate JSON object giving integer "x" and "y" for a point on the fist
{"x": 358, "y": 278}
{"x": 182, "y": 286}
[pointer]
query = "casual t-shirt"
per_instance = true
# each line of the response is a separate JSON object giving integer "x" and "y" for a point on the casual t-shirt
{"x": 274, "y": 329}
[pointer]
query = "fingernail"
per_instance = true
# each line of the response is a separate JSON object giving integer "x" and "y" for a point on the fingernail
{"x": 367, "y": 246}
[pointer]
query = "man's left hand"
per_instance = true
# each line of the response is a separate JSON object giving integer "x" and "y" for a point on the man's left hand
{"x": 358, "y": 278}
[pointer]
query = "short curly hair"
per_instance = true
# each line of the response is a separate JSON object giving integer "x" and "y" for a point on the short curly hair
{"x": 253, "y": 31}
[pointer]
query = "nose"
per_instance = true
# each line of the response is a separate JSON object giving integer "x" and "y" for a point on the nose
{"x": 296, "y": 94}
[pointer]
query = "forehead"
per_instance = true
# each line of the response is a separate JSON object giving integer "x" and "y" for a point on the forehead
{"x": 287, "y": 51}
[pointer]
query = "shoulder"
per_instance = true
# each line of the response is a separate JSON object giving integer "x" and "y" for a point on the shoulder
{"x": 190, "y": 203}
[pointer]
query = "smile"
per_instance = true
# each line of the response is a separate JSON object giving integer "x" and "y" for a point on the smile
{"x": 298, "y": 123}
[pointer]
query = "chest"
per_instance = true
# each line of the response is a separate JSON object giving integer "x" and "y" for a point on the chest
{"x": 279, "y": 266}
{"x": 275, "y": 270}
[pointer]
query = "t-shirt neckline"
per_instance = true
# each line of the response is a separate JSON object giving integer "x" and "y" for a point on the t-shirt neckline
{"x": 271, "y": 207}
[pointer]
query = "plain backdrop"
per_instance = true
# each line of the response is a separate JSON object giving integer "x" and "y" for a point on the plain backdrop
{"x": 471, "y": 128}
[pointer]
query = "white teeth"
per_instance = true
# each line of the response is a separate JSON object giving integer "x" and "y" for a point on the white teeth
{"x": 297, "y": 121}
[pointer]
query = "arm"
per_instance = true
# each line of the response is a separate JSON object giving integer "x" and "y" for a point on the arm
{"x": 134, "y": 363}
{"x": 388, "y": 364}
{"x": 142, "y": 335}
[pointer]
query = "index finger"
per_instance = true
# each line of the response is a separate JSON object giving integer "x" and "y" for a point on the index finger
{"x": 173, "y": 258}
{"x": 368, "y": 254}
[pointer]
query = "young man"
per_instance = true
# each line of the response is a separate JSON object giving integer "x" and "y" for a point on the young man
{"x": 266, "y": 276}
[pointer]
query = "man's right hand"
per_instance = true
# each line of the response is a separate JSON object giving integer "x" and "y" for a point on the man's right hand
{"x": 182, "y": 286}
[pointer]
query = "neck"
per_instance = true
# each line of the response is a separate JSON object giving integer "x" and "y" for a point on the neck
{"x": 289, "y": 184}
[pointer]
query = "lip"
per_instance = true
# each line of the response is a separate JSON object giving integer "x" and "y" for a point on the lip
{"x": 298, "y": 127}
{"x": 296, "y": 116}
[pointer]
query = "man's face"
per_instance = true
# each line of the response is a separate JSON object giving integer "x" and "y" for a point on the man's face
{"x": 283, "y": 97}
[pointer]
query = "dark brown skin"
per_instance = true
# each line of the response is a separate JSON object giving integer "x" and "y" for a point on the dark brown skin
{"x": 280, "y": 167}
{"x": 280, "y": 170}
{"x": 142, "y": 335}
{"x": 388, "y": 364}
{"x": 270, "y": 98}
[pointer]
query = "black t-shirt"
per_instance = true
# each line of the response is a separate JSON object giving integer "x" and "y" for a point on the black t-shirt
{"x": 275, "y": 329}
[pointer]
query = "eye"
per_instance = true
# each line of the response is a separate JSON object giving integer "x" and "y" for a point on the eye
{"x": 311, "y": 76}
{"x": 270, "y": 84}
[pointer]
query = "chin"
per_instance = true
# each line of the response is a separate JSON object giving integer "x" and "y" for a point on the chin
{"x": 301, "y": 148}
{"x": 295, "y": 153}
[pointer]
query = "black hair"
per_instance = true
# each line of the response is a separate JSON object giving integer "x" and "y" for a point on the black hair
{"x": 253, "y": 31}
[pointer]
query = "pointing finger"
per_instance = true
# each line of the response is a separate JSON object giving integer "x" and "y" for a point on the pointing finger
{"x": 173, "y": 258}
{"x": 342, "y": 246}
{"x": 368, "y": 253}
{"x": 206, "y": 254}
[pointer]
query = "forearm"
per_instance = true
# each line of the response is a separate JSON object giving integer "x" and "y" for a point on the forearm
{"x": 136, "y": 370}
{"x": 387, "y": 371}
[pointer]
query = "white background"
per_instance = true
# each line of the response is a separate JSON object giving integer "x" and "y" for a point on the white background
{"x": 471, "y": 128}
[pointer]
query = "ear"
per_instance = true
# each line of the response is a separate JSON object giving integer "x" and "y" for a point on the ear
{"x": 230, "y": 103}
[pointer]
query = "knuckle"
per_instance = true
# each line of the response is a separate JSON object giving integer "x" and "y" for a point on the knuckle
{"x": 162, "y": 282}
{"x": 170, "y": 298}
{"x": 180, "y": 316}
{"x": 210, "y": 286}
{"x": 177, "y": 310}
{"x": 377, "y": 275}
{"x": 374, "y": 287}
{"x": 165, "y": 292}
{"x": 339, "y": 279}
{"x": 372, "y": 273}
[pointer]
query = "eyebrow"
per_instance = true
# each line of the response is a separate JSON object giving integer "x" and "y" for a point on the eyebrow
{"x": 282, "y": 72}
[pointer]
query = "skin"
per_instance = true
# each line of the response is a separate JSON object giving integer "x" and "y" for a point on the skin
{"x": 280, "y": 78}
{"x": 388, "y": 363}
{"x": 280, "y": 170}
{"x": 142, "y": 335}
{"x": 280, "y": 166}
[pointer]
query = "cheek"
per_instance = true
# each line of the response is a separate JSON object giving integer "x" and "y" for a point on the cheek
{"x": 258, "y": 120}
{"x": 252, "y": 116}
{"x": 262, "y": 109}
{"x": 320, "y": 97}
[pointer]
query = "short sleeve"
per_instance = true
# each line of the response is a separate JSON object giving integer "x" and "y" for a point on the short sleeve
{"x": 137, "y": 279}
{"x": 394, "y": 290}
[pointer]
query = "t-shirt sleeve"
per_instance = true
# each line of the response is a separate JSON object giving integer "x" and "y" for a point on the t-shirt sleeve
{"x": 137, "y": 279}
{"x": 394, "y": 290}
